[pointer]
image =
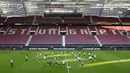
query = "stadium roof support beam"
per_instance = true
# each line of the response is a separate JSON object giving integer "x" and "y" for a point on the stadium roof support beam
{"x": 75, "y": 10}
{"x": 100, "y": 13}
{"x": 119, "y": 20}
{"x": 105, "y": 2}
{"x": 25, "y": 11}
{"x": 91, "y": 19}
{"x": 126, "y": 13}
{"x": 49, "y": 1}
{"x": 77, "y": 1}
{"x": 50, "y": 10}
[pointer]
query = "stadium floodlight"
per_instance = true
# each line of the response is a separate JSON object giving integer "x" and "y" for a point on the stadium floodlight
{"x": 62, "y": 11}
{"x": 28, "y": 4}
{"x": 63, "y": 2}
{"x": 111, "y": 8}
{"x": 91, "y": 0}
{"x": 18, "y": 4}
{"x": 8, "y": 4}
{"x": 82, "y": 15}
{"x": 47, "y": 11}
{"x": 120, "y": 12}
{"x": 128, "y": 8}
{"x": 105, "y": 9}
{"x": 5, "y": 12}
{"x": 118, "y": 5}
{"x": 42, "y": 15}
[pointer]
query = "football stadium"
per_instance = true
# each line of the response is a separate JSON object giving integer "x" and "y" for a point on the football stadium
{"x": 64, "y": 36}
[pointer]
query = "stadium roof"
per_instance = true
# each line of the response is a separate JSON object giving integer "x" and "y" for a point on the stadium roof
{"x": 105, "y": 8}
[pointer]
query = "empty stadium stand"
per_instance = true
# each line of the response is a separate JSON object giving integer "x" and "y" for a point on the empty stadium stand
{"x": 75, "y": 35}
{"x": 40, "y": 19}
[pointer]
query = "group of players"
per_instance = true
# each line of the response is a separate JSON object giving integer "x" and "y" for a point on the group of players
{"x": 52, "y": 60}
{"x": 90, "y": 57}
{"x": 56, "y": 60}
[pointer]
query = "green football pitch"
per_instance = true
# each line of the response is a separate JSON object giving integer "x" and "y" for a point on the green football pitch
{"x": 106, "y": 62}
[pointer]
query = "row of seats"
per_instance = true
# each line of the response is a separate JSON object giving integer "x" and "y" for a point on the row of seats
{"x": 41, "y": 19}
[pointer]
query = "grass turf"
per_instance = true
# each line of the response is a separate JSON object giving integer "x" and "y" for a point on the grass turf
{"x": 107, "y": 62}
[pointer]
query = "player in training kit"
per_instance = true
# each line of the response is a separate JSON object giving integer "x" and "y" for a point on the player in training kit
{"x": 11, "y": 62}
{"x": 55, "y": 60}
{"x": 26, "y": 58}
{"x": 59, "y": 62}
{"x": 63, "y": 62}
{"x": 76, "y": 56}
{"x": 58, "y": 55}
{"x": 44, "y": 58}
{"x": 79, "y": 53}
{"x": 79, "y": 58}
{"x": 72, "y": 53}
{"x": 89, "y": 54}
{"x": 82, "y": 63}
{"x": 49, "y": 62}
{"x": 52, "y": 53}
{"x": 84, "y": 54}
{"x": 46, "y": 53}
{"x": 90, "y": 58}
{"x": 37, "y": 57}
{"x": 61, "y": 53}
{"x": 95, "y": 57}
{"x": 40, "y": 54}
